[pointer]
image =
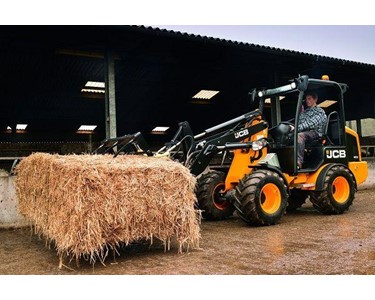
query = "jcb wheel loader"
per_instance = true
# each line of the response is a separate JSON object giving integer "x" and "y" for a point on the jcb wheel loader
{"x": 258, "y": 175}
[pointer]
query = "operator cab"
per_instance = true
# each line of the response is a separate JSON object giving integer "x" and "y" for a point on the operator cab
{"x": 284, "y": 110}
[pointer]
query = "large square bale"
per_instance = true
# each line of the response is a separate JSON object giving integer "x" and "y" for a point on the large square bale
{"x": 88, "y": 204}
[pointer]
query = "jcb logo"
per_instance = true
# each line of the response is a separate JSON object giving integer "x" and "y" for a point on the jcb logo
{"x": 335, "y": 153}
{"x": 241, "y": 133}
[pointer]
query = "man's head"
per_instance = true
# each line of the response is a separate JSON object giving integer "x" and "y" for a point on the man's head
{"x": 311, "y": 99}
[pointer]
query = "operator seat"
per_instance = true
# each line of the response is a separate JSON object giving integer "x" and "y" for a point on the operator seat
{"x": 331, "y": 137}
{"x": 331, "y": 133}
{"x": 332, "y": 130}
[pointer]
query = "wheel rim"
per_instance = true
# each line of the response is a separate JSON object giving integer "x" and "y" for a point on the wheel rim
{"x": 270, "y": 198}
{"x": 219, "y": 203}
{"x": 340, "y": 189}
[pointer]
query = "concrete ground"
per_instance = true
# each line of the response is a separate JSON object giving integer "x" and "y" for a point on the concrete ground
{"x": 305, "y": 242}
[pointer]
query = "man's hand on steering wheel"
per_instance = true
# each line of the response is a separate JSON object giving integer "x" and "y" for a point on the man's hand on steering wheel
{"x": 290, "y": 124}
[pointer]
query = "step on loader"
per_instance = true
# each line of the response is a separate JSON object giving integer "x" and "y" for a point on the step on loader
{"x": 248, "y": 166}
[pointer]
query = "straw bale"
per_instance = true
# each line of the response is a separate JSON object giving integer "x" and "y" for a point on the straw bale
{"x": 88, "y": 204}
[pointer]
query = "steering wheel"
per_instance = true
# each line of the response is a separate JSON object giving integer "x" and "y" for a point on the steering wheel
{"x": 283, "y": 122}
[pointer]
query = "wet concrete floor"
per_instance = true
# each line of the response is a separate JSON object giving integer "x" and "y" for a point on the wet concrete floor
{"x": 305, "y": 242}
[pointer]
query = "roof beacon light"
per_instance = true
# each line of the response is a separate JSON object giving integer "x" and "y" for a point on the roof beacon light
{"x": 325, "y": 77}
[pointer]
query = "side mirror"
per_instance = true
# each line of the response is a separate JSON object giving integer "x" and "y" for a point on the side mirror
{"x": 302, "y": 82}
{"x": 253, "y": 95}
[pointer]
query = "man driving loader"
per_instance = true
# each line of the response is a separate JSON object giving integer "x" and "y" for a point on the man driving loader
{"x": 311, "y": 124}
{"x": 260, "y": 180}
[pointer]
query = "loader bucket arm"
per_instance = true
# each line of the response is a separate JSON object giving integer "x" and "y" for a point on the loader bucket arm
{"x": 229, "y": 140}
{"x": 127, "y": 144}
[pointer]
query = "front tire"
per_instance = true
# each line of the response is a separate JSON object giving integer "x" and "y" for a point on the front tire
{"x": 212, "y": 203}
{"x": 338, "y": 192}
{"x": 263, "y": 197}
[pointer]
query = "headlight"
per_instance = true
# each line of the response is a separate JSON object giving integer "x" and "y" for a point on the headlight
{"x": 259, "y": 144}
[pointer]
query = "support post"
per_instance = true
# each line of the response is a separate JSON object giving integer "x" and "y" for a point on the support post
{"x": 89, "y": 146}
{"x": 359, "y": 128}
{"x": 275, "y": 104}
{"x": 110, "y": 96}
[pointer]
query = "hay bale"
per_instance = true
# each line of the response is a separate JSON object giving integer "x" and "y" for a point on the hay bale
{"x": 88, "y": 204}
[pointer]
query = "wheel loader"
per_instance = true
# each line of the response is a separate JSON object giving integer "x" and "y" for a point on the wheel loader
{"x": 248, "y": 166}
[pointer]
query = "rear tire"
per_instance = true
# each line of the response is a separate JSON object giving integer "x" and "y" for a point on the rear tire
{"x": 296, "y": 199}
{"x": 263, "y": 197}
{"x": 213, "y": 205}
{"x": 338, "y": 192}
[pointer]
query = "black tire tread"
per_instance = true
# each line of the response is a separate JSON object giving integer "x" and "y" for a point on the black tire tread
{"x": 246, "y": 191}
{"x": 205, "y": 183}
{"x": 321, "y": 200}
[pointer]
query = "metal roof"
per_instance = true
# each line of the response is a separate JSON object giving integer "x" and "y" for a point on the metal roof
{"x": 252, "y": 46}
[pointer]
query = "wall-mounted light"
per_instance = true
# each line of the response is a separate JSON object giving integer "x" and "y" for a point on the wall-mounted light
{"x": 8, "y": 130}
{"x": 21, "y": 126}
{"x": 86, "y": 128}
{"x": 95, "y": 84}
{"x": 205, "y": 94}
{"x": 95, "y": 87}
{"x": 159, "y": 130}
